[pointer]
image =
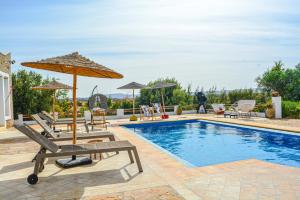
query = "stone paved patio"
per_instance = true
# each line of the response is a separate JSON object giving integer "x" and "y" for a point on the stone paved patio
{"x": 163, "y": 177}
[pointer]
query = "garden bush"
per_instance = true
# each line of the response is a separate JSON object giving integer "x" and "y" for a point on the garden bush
{"x": 291, "y": 109}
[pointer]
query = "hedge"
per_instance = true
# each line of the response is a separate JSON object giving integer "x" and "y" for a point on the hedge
{"x": 291, "y": 109}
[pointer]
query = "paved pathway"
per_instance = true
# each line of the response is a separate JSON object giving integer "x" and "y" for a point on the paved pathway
{"x": 163, "y": 177}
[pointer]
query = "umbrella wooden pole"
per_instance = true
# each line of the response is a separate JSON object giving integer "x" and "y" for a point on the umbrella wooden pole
{"x": 53, "y": 107}
{"x": 163, "y": 102}
{"x": 74, "y": 106}
{"x": 133, "y": 101}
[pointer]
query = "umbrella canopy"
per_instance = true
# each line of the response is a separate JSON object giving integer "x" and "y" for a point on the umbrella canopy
{"x": 132, "y": 86}
{"x": 160, "y": 85}
{"x": 75, "y": 64}
{"x": 53, "y": 85}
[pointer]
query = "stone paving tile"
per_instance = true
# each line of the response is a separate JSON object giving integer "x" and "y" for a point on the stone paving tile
{"x": 11, "y": 146}
{"x": 251, "y": 181}
{"x": 156, "y": 193}
{"x": 163, "y": 178}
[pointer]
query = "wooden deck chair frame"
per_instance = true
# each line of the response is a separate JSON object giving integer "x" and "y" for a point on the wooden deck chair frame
{"x": 48, "y": 132}
{"x": 142, "y": 113}
{"x": 50, "y": 149}
{"x": 52, "y": 123}
{"x": 51, "y": 135}
{"x": 96, "y": 122}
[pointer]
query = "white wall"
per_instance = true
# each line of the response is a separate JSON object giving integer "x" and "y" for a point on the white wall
{"x": 5, "y": 111}
{"x": 2, "y": 103}
{"x": 6, "y": 97}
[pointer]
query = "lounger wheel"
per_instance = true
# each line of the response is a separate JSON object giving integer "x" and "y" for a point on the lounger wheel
{"x": 32, "y": 179}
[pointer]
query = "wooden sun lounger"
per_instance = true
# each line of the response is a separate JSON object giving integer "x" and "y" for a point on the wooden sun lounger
{"x": 48, "y": 132}
{"x": 50, "y": 149}
{"x": 49, "y": 118}
{"x": 51, "y": 135}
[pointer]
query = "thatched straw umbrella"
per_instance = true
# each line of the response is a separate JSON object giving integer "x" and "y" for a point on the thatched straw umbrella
{"x": 53, "y": 85}
{"x": 161, "y": 85}
{"x": 132, "y": 86}
{"x": 74, "y": 64}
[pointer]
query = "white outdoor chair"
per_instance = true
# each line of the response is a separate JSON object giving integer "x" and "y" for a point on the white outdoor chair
{"x": 145, "y": 112}
{"x": 218, "y": 108}
{"x": 245, "y": 107}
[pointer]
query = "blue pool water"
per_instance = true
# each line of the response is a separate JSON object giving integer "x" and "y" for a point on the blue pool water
{"x": 202, "y": 143}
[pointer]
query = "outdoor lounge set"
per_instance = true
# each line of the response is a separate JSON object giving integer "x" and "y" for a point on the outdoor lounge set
{"x": 53, "y": 122}
{"x": 150, "y": 111}
{"x": 241, "y": 108}
{"x": 87, "y": 121}
{"x": 49, "y": 149}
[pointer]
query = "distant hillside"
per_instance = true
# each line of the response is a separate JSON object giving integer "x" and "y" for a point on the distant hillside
{"x": 118, "y": 96}
{"x": 113, "y": 96}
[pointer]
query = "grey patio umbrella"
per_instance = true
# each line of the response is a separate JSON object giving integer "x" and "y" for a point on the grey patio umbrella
{"x": 132, "y": 86}
{"x": 53, "y": 85}
{"x": 74, "y": 64}
{"x": 160, "y": 85}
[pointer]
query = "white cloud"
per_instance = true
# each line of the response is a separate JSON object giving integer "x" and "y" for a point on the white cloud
{"x": 206, "y": 43}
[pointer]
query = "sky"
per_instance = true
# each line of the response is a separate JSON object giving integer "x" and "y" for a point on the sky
{"x": 205, "y": 43}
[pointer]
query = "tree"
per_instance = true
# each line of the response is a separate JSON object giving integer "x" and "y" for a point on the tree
{"x": 274, "y": 79}
{"x": 26, "y": 100}
{"x": 63, "y": 104}
{"x": 189, "y": 95}
{"x": 179, "y": 97}
{"x": 149, "y": 96}
{"x": 241, "y": 94}
{"x": 292, "y": 89}
{"x": 285, "y": 81}
{"x": 212, "y": 96}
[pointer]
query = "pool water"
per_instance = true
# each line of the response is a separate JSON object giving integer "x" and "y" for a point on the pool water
{"x": 202, "y": 143}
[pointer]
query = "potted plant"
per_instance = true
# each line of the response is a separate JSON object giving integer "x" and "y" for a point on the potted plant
{"x": 275, "y": 93}
{"x": 133, "y": 118}
{"x": 270, "y": 112}
{"x": 179, "y": 110}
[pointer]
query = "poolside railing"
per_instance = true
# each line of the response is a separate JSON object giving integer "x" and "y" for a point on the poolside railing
{"x": 170, "y": 109}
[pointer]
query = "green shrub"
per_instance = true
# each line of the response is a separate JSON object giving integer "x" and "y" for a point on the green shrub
{"x": 133, "y": 118}
{"x": 291, "y": 109}
{"x": 179, "y": 110}
{"x": 189, "y": 107}
{"x": 260, "y": 108}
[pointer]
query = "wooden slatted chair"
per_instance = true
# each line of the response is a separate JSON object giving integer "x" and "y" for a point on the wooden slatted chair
{"x": 52, "y": 123}
{"x": 50, "y": 149}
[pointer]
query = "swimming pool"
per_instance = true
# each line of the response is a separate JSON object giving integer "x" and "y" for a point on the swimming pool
{"x": 202, "y": 143}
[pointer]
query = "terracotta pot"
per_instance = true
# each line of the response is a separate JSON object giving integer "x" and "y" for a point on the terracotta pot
{"x": 275, "y": 94}
{"x": 270, "y": 113}
{"x": 179, "y": 111}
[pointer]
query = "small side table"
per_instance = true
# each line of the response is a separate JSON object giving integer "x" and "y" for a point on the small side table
{"x": 231, "y": 114}
{"x": 226, "y": 114}
{"x": 95, "y": 154}
{"x": 234, "y": 115}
